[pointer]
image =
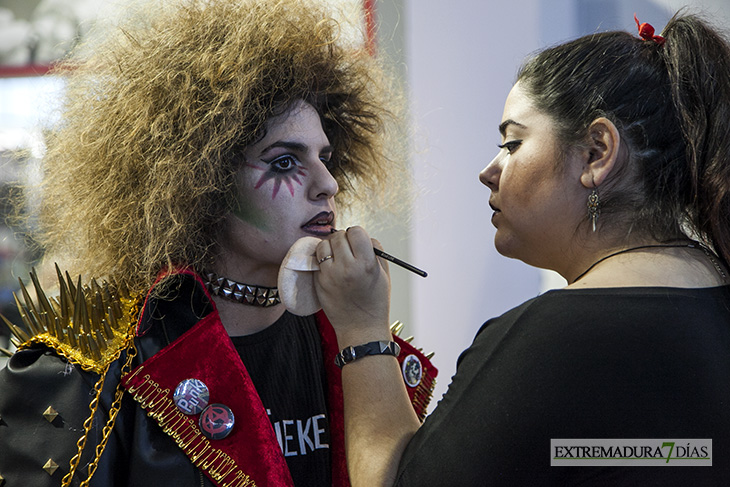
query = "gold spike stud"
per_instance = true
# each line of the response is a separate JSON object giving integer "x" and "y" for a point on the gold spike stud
{"x": 65, "y": 300}
{"x": 93, "y": 346}
{"x": 50, "y": 467}
{"x": 44, "y": 304}
{"x": 18, "y": 332}
{"x": 396, "y": 328}
{"x": 50, "y": 414}
{"x": 25, "y": 313}
{"x": 2, "y": 480}
{"x": 71, "y": 287}
{"x": 100, "y": 340}
{"x": 430, "y": 355}
{"x": 409, "y": 339}
{"x": 58, "y": 330}
{"x": 106, "y": 330}
{"x": 81, "y": 317}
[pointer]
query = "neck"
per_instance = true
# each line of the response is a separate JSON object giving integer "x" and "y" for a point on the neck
{"x": 626, "y": 250}
{"x": 233, "y": 266}
{"x": 240, "y": 319}
{"x": 244, "y": 308}
{"x": 681, "y": 263}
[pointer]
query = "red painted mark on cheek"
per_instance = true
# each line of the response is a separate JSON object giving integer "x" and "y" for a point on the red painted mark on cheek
{"x": 288, "y": 178}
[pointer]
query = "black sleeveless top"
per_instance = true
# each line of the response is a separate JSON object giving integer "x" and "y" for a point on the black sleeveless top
{"x": 286, "y": 367}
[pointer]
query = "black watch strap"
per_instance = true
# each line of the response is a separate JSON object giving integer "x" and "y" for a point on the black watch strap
{"x": 350, "y": 354}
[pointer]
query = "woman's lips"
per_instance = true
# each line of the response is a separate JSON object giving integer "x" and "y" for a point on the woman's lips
{"x": 495, "y": 210}
{"x": 321, "y": 225}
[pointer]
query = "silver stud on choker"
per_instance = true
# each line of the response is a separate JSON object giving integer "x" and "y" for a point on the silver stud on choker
{"x": 241, "y": 293}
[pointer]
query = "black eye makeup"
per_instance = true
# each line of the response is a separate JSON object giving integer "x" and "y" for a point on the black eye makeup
{"x": 283, "y": 164}
{"x": 511, "y": 146}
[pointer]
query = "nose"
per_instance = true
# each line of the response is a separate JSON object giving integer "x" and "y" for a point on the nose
{"x": 324, "y": 185}
{"x": 489, "y": 176}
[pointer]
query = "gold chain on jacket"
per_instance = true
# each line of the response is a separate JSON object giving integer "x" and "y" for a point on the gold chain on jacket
{"x": 90, "y": 326}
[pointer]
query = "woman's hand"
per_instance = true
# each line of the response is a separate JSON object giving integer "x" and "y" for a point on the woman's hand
{"x": 353, "y": 287}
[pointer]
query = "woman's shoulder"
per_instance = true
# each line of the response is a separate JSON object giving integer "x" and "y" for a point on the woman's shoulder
{"x": 585, "y": 314}
{"x": 556, "y": 299}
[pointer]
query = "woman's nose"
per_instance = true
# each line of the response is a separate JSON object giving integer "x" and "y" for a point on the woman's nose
{"x": 324, "y": 185}
{"x": 489, "y": 176}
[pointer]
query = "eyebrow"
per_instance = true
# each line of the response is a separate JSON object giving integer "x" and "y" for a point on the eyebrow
{"x": 503, "y": 126}
{"x": 291, "y": 145}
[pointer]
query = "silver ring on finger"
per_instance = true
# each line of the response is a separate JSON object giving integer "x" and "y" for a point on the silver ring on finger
{"x": 326, "y": 257}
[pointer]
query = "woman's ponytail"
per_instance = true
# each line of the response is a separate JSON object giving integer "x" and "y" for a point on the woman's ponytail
{"x": 698, "y": 62}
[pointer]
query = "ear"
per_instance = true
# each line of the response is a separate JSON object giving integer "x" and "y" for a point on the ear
{"x": 602, "y": 152}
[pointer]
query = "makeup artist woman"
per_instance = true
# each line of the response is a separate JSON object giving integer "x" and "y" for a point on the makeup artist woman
{"x": 195, "y": 148}
{"x": 614, "y": 170}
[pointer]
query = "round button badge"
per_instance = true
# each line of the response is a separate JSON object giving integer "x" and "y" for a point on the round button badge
{"x": 191, "y": 396}
{"x": 216, "y": 421}
{"x": 412, "y": 370}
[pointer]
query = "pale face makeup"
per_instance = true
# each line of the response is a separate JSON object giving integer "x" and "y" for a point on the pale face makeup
{"x": 285, "y": 192}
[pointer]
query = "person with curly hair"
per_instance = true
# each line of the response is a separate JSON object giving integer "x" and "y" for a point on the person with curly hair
{"x": 196, "y": 145}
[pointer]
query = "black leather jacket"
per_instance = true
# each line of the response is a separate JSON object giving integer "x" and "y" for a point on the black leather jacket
{"x": 138, "y": 452}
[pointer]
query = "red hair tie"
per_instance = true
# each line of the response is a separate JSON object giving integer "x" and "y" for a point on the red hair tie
{"x": 646, "y": 32}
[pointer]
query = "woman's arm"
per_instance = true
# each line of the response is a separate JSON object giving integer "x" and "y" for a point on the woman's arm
{"x": 354, "y": 289}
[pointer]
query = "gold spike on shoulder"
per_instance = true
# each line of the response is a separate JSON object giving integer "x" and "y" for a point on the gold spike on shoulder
{"x": 396, "y": 328}
{"x": 88, "y": 324}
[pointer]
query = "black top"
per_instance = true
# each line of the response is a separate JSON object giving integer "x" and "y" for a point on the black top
{"x": 616, "y": 363}
{"x": 286, "y": 367}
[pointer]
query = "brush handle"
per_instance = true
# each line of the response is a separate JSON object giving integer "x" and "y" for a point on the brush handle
{"x": 399, "y": 262}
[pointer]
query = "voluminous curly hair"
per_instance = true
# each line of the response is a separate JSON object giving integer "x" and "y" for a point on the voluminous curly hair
{"x": 139, "y": 173}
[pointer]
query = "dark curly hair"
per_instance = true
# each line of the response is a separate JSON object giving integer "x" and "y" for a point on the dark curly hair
{"x": 671, "y": 105}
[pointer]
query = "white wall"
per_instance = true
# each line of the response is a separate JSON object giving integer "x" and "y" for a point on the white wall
{"x": 461, "y": 61}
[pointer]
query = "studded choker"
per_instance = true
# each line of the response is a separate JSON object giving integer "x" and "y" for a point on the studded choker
{"x": 241, "y": 293}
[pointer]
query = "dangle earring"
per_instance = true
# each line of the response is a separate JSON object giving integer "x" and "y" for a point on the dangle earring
{"x": 593, "y": 207}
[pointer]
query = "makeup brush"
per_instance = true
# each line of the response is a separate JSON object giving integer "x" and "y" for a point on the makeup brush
{"x": 397, "y": 261}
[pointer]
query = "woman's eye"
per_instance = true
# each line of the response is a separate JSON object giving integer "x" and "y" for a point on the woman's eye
{"x": 511, "y": 146}
{"x": 283, "y": 164}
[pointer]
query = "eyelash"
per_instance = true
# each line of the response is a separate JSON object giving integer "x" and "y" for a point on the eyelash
{"x": 274, "y": 164}
{"x": 511, "y": 146}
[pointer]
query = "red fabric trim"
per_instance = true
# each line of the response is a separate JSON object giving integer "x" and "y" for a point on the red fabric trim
{"x": 252, "y": 446}
{"x": 420, "y": 396}
{"x": 335, "y": 401}
{"x": 369, "y": 14}
{"x": 27, "y": 70}
{"x": 252, "y": 443}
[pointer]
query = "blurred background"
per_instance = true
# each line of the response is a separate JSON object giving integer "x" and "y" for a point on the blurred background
{"x": 457, "y": 59}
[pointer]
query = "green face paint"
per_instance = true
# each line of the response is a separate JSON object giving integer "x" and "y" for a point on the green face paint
{"x": 245, "y": 210}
